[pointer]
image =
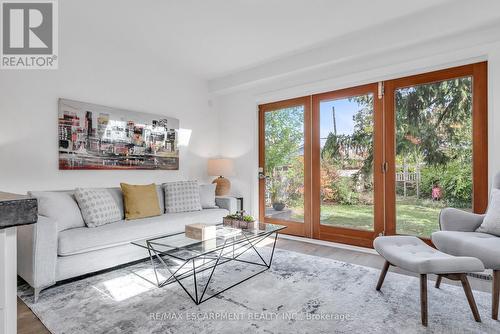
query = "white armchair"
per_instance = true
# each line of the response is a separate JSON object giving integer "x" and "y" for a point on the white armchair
{"x": 458, "y": 237}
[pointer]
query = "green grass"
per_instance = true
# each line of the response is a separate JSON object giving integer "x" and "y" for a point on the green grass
{"x": 417, "y": 219}
{"x": 413, "y": 217}
{"x": 354, "y": 216}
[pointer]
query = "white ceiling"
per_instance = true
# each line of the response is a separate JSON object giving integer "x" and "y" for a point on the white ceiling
{"x": 222, "y": 36}
{"x": 212, "y": 38}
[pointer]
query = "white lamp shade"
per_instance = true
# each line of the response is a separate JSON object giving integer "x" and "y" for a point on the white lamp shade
{"x": 220, "y": 167}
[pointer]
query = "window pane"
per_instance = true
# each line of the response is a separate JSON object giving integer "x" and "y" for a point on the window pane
{"x": 284, "y": 164}
{"x": 346, "y": 134}
{"x": 433, "y": 153}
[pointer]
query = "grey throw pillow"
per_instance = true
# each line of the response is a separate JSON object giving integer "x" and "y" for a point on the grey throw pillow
{"x": 98, "y": 206}
{"x": 182, "y": 196}
{"x": 491, "y": 222}
{"x": 207, "y": 196}
{"x": 117, "y": 195}
{"x": 161, "y": 197}
{"x": 60, "y": 207}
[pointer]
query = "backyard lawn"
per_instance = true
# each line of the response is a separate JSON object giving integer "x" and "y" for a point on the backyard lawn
{"x": 414, "y": 217}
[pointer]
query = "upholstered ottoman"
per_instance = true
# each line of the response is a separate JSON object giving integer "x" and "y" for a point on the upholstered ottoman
{"x": 412, "y": 254}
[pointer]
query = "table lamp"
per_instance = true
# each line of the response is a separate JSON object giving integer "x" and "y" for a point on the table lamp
{"x": 221, "y": 168}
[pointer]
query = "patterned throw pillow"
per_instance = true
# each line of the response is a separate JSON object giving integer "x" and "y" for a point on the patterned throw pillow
{"x": 182, "y": 196}
{"x": 98, "y": 206}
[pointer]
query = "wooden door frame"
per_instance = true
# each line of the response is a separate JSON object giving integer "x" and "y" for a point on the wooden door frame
{"x": 478, "y": 72}
{"x": 340, "y": 234}
{"x": 293, "y": 228}
{"x": 384, "y": 150}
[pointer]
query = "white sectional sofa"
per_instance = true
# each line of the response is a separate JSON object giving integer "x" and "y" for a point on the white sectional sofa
{"x": 55, "y": 249}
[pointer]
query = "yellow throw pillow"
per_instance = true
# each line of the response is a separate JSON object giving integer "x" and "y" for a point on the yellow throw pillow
{"x": 140, "y": 201}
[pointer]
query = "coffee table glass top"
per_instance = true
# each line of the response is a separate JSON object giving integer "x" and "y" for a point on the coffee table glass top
{"x": 183, "y": 248}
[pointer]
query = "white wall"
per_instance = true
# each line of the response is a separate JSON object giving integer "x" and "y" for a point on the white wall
{"x": 237, "y": 106}
{"x": 98, "y": 66}
{"x": 94, "y": 68}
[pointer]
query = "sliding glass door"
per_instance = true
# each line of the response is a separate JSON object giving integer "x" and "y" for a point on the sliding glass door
{"x": 436, "y": 147}
{"x": 284, "y": 161}
{"x": 346, "y": 160}
{"x": 382, "y": 158}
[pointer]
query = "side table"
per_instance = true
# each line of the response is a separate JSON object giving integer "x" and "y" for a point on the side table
{"x": 15, "y": 210}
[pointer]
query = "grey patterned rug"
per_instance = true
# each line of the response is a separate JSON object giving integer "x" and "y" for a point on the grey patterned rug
{"x": 299, "y": 294}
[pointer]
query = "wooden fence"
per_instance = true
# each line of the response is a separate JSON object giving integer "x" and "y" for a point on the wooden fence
{"x": 409, "y": 178}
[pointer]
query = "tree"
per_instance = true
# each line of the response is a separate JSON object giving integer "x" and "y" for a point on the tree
{"x": 434, "y": 126}
{"x": 284, "y": 135}
{"x": 338, "y": 148}
{"x": 435, "y": 121}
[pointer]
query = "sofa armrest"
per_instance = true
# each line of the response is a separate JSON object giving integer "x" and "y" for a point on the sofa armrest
{"x": 227, "y": 202}
{"x": 458, "y": 220}
{"x": 37, "y": 253}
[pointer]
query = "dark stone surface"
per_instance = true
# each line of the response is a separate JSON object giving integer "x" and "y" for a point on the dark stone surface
{"x": 16, "y": 210}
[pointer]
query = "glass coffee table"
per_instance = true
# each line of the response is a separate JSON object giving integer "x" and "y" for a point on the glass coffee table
{"x": 184, "y": 257}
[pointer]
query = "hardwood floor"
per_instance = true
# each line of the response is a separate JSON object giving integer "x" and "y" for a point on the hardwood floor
{"x": 28, "y": 323}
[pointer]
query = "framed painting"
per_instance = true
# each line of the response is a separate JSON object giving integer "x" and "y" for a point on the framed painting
{"x": 97, "y": 137}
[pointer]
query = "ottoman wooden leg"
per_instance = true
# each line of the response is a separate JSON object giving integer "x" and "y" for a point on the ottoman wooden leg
{"x": 382, "y": 275}
{"x": 423, "y": 298}
{"x": 495, "y": 294}
{"x": 438, "y": 281}
{"x": 470, "y": 297}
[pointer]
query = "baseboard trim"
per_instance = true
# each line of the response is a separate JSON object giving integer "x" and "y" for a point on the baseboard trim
{"x": 329, "y": 244}
{"x": 486, "y": 275}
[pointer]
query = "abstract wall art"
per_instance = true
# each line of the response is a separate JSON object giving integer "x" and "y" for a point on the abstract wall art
{"x": 97, "y": 137}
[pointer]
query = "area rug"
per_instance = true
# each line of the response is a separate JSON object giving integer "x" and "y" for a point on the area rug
{"x": 299, "y": 294}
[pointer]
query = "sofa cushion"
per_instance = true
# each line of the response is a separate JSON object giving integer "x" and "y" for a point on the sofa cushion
{"x": 117, "y": 194}
{"x": 141, "y": 201}
{"x": 98, "y": 206}
{"x": 485, "y": 247}
{"x": 491, "y": 221}
{"x": 81, "y": 240}
{"x": 182, "y": 196}
{"x": 207, "y": 196}
{"x": 60, "y": 207}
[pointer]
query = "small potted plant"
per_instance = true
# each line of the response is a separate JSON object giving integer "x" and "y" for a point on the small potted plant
{"x": 276, "y": 192}
{"x": 278, "y": 205}
{"x": 239, "y": 220}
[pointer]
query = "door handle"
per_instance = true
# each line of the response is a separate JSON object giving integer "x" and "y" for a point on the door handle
{"x": 385, "y": 167}
{"x": 262, "y": 176}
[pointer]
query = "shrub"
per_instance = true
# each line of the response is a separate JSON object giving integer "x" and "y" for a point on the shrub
{"x": 338, "y": 189}
{"x": 455, "y": 180}
{"x": 345, "y": 192}
{"x": 329, "y": 176}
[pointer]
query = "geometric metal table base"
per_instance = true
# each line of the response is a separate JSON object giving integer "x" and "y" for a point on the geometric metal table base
{"x": 210, "y": 261}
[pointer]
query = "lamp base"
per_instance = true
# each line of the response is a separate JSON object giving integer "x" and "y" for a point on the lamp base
{"x": 223, "y": 186}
